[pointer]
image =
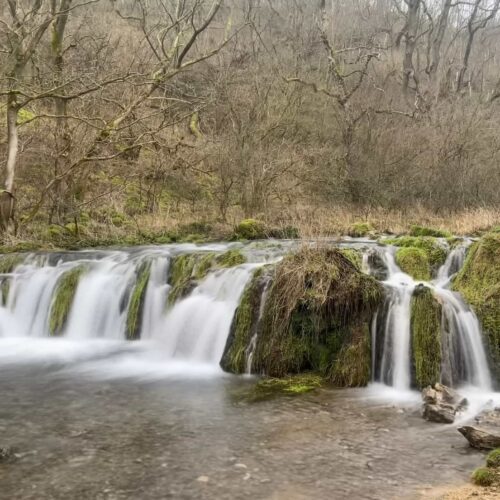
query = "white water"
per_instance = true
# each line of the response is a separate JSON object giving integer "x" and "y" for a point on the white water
{"x": 464, "y": 360}
{"x": 192, "y": 332}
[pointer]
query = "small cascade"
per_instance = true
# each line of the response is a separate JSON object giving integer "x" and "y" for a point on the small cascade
{"x": 463, "y": 356}
{"x": 394, "y": 332}
{"x": 196, "y": 328}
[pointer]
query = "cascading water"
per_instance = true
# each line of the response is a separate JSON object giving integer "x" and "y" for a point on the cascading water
{"x": 395, "y": 362}
{"x": 194, "y": 329}
{"x": 464, "y": 359}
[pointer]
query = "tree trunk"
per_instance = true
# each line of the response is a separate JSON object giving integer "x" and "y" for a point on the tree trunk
{"x": 410, "y": 42}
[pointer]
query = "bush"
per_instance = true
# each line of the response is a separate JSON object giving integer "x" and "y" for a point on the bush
{"x": 493, "y": 458}
{"x": 483, "y": 477}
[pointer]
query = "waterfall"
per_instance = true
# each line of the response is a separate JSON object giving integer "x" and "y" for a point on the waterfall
{"x": 395, "y": 361}
{"x": 464, "y": 359}
{"x": 193, "y": 329}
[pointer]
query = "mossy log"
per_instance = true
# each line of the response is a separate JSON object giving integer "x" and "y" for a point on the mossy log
{"x": 136, "y": 305}
{"x": 479, "y": 284}
{"x": 63, "y": 299}
{"x": 426, "y": 337}
{"x": 317, "y": 306}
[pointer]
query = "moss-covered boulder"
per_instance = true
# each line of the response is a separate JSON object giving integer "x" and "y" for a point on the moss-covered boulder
{"x": 479, "y": 284}
{"x": 136, "y": 304}
{"x": 360, "y": 230}
{"x": 63, "y": 299}
{"x": 246, "y": 322}
{"x": 415, "y": 262}
{"x": 434, "y": 249}
{"x": 250, "y": 229}
{"x": 426, "y": 337}
{"x": 319, "y": 304}
{"x": 188, "y": 269}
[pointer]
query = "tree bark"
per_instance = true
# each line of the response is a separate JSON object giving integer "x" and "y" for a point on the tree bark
{"x": 410, "y": 42}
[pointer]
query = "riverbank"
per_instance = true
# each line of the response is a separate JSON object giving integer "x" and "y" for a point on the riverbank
{"x": 116, "y": 228}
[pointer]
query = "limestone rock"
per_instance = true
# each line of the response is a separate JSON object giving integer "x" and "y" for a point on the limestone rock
{"x": 481, "y": 438}
{"x": 441, "y": 404}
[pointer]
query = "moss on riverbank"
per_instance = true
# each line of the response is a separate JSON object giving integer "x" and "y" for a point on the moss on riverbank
{"x": 479, "y": 283}
{"x": 318, "y": 304}
{"x": 426, "y": 337}
{"x": 63, "y": 299}
{"x": 134, "y": 315}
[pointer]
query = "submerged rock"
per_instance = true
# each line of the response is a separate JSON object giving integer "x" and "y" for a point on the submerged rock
{"x": 7, "y": 454}
{"x": 481, "y": 438}
{"x": 441, "y": 404}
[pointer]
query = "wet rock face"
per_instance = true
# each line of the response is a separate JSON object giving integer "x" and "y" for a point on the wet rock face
{"x": 441, "y": 404}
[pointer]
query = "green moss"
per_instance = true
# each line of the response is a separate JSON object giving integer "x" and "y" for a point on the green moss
{"x": 318, "y": 302}
{"x": 479, "y": 284}
{"x": 245, "y": 324}
{"x": 136, "y": 304}
{"x": 63, "y": 299}
{"x": 427, "y": 231}
{"x": 250, "y": 229}
{"x": 426, "y": 337}
{"x": 9, "y": 262}
{"x": 283, "y": 233}
{"x": 434, "y": 248}
{"x": 483, "y": 477}
{"x": 415, "y": 262}
{"x": 230, "y": 258}
{"x": 352, "y": 366}
{"x": 354, "y": 255}
{"x": 493, "y": 458}
{"x": 360, "y": 229}
{"x": 187, "y": 269}
{"x": 295, "y": 385}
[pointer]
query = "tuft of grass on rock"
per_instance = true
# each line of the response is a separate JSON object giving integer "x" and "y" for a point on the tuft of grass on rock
{"x": 427, "y": 231}
{"x": 483, "y": 477}
{"x": 415, "y": 262}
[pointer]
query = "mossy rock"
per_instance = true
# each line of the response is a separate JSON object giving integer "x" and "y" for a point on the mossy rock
{"x": 63, "y": 299}
{"x": 352, "y": 365}
{"x": 493, "y": 459}
{"x": 415, "y": 262}
{"x": 479, "y": 284}
{"x": 5, "y": 289}
{"x": 188, "y": 269}
{"x": 434, "y": 248}
{"x": 483, "y": 477}
{"x": 360, "y": 230}
{"x": 426, "y": 337}
{"x": 250, "y": 229}
{"x": 136, "y": 304}
{"x": 246, "y": 322}
{"x": 427, "y": 231}
{"x": 9, "y": 262}
{"x": 354, "y": 255}
{"x": 317, "y": 304}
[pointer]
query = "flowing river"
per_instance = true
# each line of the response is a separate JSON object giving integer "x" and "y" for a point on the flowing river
{"x": 91, "y": 415}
